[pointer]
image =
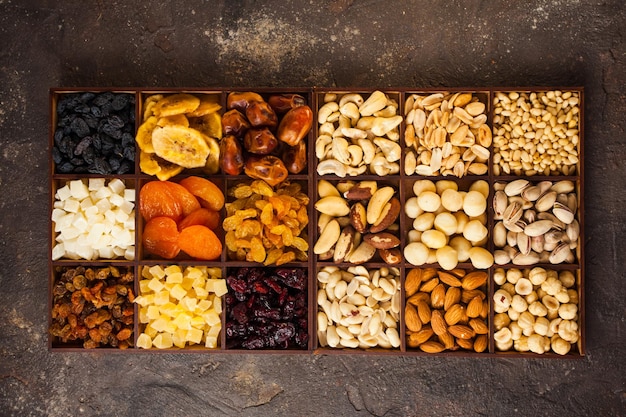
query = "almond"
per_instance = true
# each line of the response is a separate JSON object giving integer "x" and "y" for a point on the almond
{"x": 417, "y": 338}
{"x": 428, "y": 273}
{"x": 437, "y": 296}
{"x": 467, "y": 344}
{"x": 429, "y": 285}
{"x": 412, "y": 319}
{"x": 474, "y": 280}
{"x": 423, "y": 310}
{"x": 461, "y": 331}
{"x": 455, "y": 314}
{"x": 474, "y": 307}
{"x": 447, "y": 340}
{"x": 432, "y": 347}
{"x": 453, "y": 296}
{"x": 480, "y": 343}
{"x": 467, "y": 295}
{"x": 485, "y": 311}
{"x": 412, "y": 281}
{"x": 438, "y": 323}
{"x": 479, "y": 326}
{"x": 415, "y": 298}
{"x": 449, "y": 279}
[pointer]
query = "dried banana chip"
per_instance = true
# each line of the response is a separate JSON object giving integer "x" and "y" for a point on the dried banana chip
{"x": 180, "y": 145}
{"x": 176, "y": 104}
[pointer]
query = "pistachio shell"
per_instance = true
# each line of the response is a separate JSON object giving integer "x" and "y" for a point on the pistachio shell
{"x": 538, "y": 228}
{"x": 516, "y": 187}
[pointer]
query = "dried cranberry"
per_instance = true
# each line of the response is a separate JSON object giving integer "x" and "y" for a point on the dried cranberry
{"x": 239, "y": 313}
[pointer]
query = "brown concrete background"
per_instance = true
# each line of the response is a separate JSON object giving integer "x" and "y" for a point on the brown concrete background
{"x": 366, "y": 43}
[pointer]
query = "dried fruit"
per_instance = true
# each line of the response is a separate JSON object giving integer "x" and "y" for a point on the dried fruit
{"x": 267, "y": 308}
{"x": 156, "y": 199}
{"x": 202, "y": 216}
{"x": 209, "y": 194}
{"x": 99, "y": 313}
{"x": 160, "y": 237}
{"x": 200, "y": 242}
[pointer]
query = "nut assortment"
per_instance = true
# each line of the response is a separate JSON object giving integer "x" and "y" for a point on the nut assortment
{"x": 402, "y": 263}
{"x": 536, "y": 310}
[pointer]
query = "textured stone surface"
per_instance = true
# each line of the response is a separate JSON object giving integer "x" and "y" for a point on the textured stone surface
{"x": 318, "y": 43}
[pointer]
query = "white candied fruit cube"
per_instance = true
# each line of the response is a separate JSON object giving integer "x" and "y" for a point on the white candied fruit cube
{"x": 109, "y": 216}
{"x": 94, "y": 233}
{"x": 129, "y": 194}
{"x": 58, "y": 251}
{"x": 118, "y": 251}
{"x": 85, "y": 252}
{"x": 102, "y": 193}
{"x": 144, "y": 341}
{"x": 106, "y": 253}
{"x": 116, "y": 200}
{"x": 96, "y": 183}
{"x": 129, "y": 253}
{"x": 85, "y": 203}
{"x": 78, "y": 189}
{"x": 70, "y": 233}
{"x": 63, "y": 221}
{"x": 71, "y": 205}
{"x": 117, "y": 185}
{"x": 103, "y": 205}
{"x": 90, "y": 211}
{"x": 127, "y": 207}
{"x": 63, "y": 193}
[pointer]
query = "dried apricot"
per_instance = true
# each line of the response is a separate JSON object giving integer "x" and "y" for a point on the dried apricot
{"x": 209, "y": 194}
{"x": 160, "y": 237}
{"x": 202, "y": 216}
{"x": 156, "y": 200}
{"x": 200, "y": 242}
{"x": 188, "y": 202}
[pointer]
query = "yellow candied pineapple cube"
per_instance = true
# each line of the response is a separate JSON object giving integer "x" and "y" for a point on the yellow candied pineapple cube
{"x": 155, "y": 285}
{"x": 211, "y": 317}
{"x": 171, "y": 327}
{"x": 220, "y": 287}
{"x": 150, "y": 331}
{"x": 157, "y": 271}
{"x": 153, "y": 313}
{"x": 179, "y": 338}
{"x": 194, "y": 272}
{"x": 211, "y": 336}
{"x": 183, "y": 321}
{"x": 214, "y": 272}
{"x": 172, "y": 269}
{"x": 198, "y": 283}
{"x": 169, "y": 309}
{"x": 197, "y": 322}
{"x": 144, "y": 341}
{"x": 201, "y": 293}
{"x": 187, "y": 283}
{"x": 160, "y": 324}
{"x": 174, "y": 278}
{"x": 162, "y": 297}
{"x": 163, "y": 341}
{"x": 143, "y": 315}
{"x": 188, "y": 303}
{"x": 178, "y": 292}
{"x": 194, "y": 335}
{"x": 145, "y": 273}
{"x": 202, "y": 306}
{"x": 217, "y": 305}
{"x": 143, "y": 286}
